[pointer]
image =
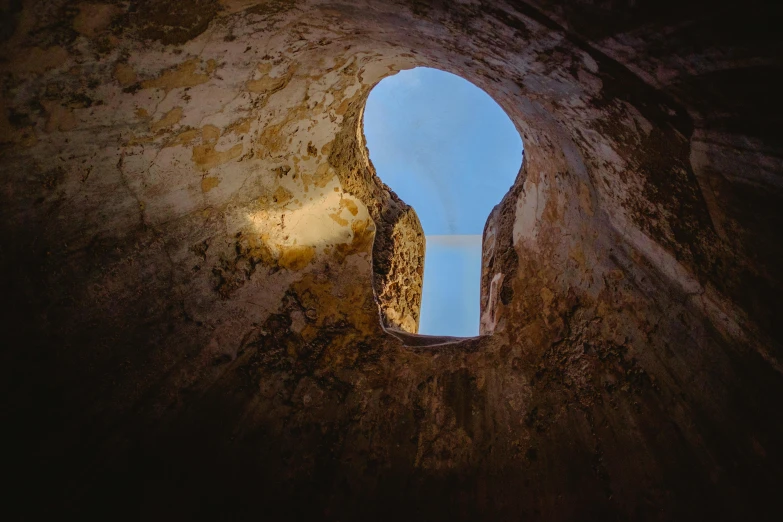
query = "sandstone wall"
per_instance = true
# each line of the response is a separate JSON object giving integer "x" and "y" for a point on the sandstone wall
{"x": 198, "y": 261}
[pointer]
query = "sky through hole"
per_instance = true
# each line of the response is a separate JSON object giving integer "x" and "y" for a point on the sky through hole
{"x": 450, "y": 151}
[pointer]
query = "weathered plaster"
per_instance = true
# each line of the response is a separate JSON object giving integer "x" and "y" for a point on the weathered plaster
{"x": 212, "y": 294}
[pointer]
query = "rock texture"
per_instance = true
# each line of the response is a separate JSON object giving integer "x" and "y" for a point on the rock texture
{"x": 198, "y": 263}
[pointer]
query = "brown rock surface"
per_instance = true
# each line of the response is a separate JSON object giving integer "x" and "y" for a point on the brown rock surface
{"x": 197, "y": 260}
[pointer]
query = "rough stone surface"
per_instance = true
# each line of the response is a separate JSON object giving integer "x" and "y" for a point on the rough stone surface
{"x": 198, "y": 263}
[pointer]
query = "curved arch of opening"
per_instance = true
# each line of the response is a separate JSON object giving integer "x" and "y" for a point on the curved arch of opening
{"x": 447, "y": 149}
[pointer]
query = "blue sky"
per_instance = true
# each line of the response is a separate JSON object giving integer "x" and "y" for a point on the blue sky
{"x": 448, "y": 150}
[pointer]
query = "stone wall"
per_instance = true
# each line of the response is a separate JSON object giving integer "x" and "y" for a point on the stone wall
{"x": 199, "y": 261}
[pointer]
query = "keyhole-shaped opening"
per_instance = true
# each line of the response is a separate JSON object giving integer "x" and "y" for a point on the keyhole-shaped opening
{"x": 451, "y": 152}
